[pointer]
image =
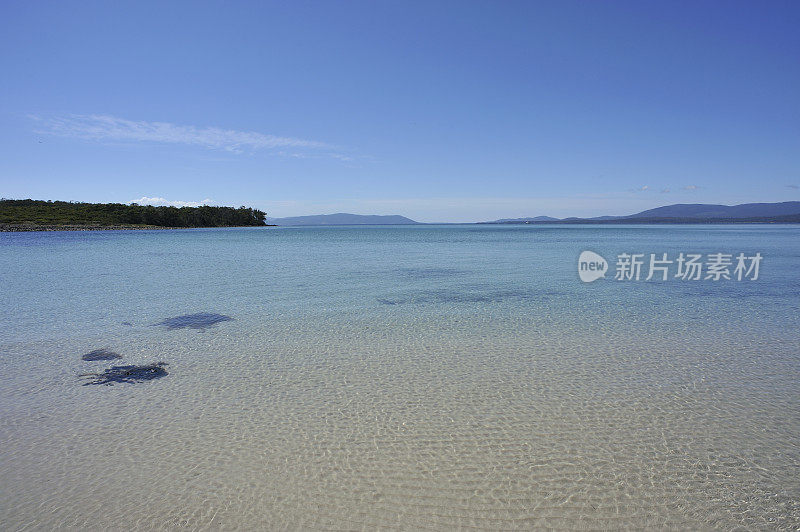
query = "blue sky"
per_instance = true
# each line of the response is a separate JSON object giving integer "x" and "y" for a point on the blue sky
{"x": 440, "y": 111}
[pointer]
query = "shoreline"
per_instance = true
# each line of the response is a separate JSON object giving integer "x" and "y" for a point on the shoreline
{"x": 25, "y": 228}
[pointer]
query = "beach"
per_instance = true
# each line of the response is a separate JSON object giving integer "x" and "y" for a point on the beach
{"x": 397, "y": 377}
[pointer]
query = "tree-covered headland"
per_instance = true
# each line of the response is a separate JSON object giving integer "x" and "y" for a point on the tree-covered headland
{"x": 67, "y": 213}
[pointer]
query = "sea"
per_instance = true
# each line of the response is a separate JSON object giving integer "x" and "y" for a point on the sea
{"x": 401, "y": 377}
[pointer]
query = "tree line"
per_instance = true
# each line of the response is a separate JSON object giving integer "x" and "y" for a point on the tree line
{"x": 40, "y": 212}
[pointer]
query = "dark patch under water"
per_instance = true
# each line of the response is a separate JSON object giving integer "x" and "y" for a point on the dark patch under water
{"x": 126, "y": 374}
{"x": 456, "y": 296}
{"x": 428, "y": 273}
{"x": 100, "y": 354}
{"x": 200, "y": 320}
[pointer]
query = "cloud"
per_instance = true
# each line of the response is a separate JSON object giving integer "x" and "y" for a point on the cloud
{"x": 332, "y": 155}
{"x": 644, "y": 188}
{"x": 144, "y": 200}
{"x": 105, "y": 128}
{"x": 665, "y": 191}
{"x": 793, "y": 187}
{"x": 691, "y": 187}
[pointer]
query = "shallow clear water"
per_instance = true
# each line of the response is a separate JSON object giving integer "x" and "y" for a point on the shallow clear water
{"x": 410, "y": 377}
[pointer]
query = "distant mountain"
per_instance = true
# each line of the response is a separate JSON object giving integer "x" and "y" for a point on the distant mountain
{"x": 606, "y": 218}
{"x": 700, "y": 210}
{"x": 342, "y": 218}
{"x": 523, "y": 220}
{"x": 783, "y": 212}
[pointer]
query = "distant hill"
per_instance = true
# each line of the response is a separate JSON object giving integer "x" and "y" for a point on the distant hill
{"x": 700, "y": 210}
{"x": 783, "y": 212}
{"x": 342, "y": 218}
{"x": 524, "y": 220}
{"x": 605, "y": 218}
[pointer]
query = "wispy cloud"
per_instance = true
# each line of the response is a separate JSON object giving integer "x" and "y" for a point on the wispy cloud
{"x": 111, "y": 128}
{"x": 144, "y": 200}
{"x": 665, "y": 191}
{"x": 793, "y": 187}
{"x": 332, "y": 155}
{"x": 643, "y": 188}
{"x": 691, "y": 187}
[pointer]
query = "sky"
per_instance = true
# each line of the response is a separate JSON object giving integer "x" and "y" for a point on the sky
{"x": 453, "y": 111}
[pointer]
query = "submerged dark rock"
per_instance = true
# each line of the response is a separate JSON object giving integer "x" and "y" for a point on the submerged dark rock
{"x": 428, "y": 273}
{"x": 100, "y": 354}
{"x": 200, "y": 320}
{"x": 468, "y": 296}
{"x": 126, "y": 374}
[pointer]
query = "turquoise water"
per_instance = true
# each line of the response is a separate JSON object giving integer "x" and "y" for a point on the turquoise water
{"x": 407, "y": 376}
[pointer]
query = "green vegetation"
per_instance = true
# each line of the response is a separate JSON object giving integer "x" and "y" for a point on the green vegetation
{"x": 38, "y": 212}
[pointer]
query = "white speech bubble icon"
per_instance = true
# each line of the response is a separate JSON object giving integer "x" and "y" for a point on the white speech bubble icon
{"x": 591, "y": 266}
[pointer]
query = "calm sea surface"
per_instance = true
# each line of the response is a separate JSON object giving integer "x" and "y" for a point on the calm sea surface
{"x": 423, "y": 376}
